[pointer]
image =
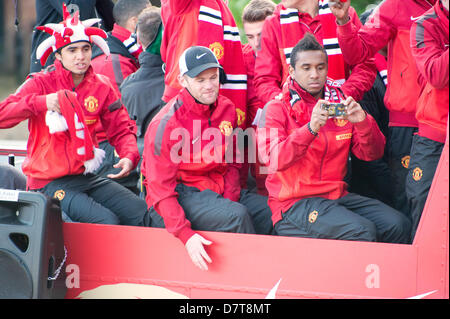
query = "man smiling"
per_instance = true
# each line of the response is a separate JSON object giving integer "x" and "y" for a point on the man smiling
{"x": 196, "y": 191}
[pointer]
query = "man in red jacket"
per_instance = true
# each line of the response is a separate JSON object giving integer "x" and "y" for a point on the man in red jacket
{"x": 62, "y": 104}
{"x": 389, "y": 26}
{"x": 192, "y": 179}
{"x": 429, "y": 45}
{"x": 308, "y": 158}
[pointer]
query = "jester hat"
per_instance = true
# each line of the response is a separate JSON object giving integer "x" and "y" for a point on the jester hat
{"x": 70, "y": 30}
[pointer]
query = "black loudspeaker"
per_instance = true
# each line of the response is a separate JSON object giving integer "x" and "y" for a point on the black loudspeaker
{"x": 32, "y": 252}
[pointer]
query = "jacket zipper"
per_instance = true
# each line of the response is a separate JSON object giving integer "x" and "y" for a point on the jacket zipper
{"x": 323, "y": 158}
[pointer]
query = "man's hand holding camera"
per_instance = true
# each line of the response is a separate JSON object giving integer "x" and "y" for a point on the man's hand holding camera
{"x": 319, "y": 116}
{"x": 323, "y": 110}
{"x": 355, "y": 112}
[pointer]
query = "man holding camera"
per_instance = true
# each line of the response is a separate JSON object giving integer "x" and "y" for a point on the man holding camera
{"x": 389, "y": 26}
{"x": 308, "y": 161}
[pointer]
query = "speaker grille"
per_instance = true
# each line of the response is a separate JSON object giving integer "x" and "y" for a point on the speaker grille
{"x": 15, "y": 278}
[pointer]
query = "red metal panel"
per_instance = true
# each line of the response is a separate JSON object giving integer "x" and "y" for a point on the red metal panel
{"x": 248, "y": 266}
{"x": 433, "y": 234}
{"x": 244, "y": 266}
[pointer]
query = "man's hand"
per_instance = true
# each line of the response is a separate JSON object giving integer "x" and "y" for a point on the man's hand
{"x": 53, "y": 102}
{"x": 126, "y": 164}
{"x": 355, "y": 112}
{"x": 319, "y": 116}
{"x": 340, "y": 10}
{"x": 196, "y": 251}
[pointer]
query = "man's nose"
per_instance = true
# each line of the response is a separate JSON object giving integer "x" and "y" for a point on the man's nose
{"x": 210, "y": 84}
{"x": 314, "y": 74}
{"x": 81, "y": 54}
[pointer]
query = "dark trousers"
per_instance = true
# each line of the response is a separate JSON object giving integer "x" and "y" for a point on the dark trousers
{"x": 94, "y": 199}
{"x": 425, "y": 155}
{"x": 207, "y": 210}
{"x": 371, "y": 179}
{"x": 352, "y": 217}
{"x": 399, "y": 144}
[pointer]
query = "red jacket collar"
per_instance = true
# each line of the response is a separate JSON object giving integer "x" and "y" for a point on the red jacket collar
{"x": 192, "y": 105}
{"x": 298, "y": 102}
{"x": 120, "y": 32}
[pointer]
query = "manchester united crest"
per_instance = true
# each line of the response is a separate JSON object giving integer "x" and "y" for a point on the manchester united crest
{"x": 340, "y": 122}
{"x": 59, "y": 194}
{"x": 217, "y": 49}
{"x": 91, "y": 104}
{"x": 405, "y": 161}
{"x": 417, "y": 174}
{"x": 240, "y": 117}
{"x": 226, "y": 128}
{"x": 313, "y": 216}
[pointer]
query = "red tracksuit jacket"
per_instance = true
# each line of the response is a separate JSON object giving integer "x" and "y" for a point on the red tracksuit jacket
{"x": 390, "y": 25}
{"x": 429, "y": 45}
{"x": 47, "y": 161}
{"x": 303, "y": 165}
{"x": 176, "y": 142}
{"x": 269, "y": 66}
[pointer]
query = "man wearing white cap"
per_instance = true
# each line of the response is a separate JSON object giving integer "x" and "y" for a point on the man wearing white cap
{"x": 192, "y": 179}
{"x": 62, "y": 104}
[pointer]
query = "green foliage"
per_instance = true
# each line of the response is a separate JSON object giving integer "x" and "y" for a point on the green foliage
{"x": 237, "y": 6}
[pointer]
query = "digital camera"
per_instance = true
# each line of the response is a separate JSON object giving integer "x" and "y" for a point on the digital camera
{"x": 335, "y": 109}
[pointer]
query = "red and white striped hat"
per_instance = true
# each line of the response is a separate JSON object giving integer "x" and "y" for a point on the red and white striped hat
{"x": 70, "y": 30}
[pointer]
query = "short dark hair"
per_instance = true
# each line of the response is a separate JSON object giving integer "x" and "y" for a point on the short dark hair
{"x": 125, "y": 9}
{"x": 308, "y": 43}
{"x": 148, "y": 25}
{"x": 257, "y": 10}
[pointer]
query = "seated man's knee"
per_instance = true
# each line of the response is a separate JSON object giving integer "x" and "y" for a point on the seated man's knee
{"x": 154, "y": 219}
{"x": 240, "y": 220}
{"x": 398, "y": 230}
{"x": 364, "y": 232}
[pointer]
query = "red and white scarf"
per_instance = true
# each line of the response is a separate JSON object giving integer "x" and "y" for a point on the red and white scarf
{"x": 217, "y": 30}
{"x": 381, "y": 63}
{"x": 292, "y": 32}
{"x": 72, "y": 120}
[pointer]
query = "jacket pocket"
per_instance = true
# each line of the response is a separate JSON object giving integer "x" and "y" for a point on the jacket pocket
{"x": 403, "y": 86}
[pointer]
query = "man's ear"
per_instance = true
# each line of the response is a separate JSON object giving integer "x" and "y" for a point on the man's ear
{"x": 291, "y": 71}
{"x": 58, "y": 56}
{"x": 182, "y": 80}
{"x": 131, "y": 23}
